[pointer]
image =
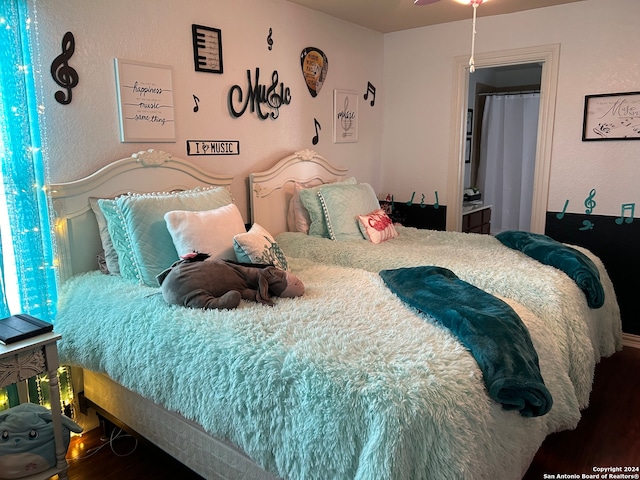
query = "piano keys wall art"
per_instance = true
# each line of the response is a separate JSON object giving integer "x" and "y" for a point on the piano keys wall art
{"x": 207, "y": 49}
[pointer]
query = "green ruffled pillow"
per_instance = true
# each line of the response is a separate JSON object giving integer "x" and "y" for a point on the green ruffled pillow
{"x": 311, "y": 202}
{"x": 341, "y": 205}
{"x": 139, "y": 233}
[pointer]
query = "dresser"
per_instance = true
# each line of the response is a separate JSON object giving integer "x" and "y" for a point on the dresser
{"x": 476, "y": 219}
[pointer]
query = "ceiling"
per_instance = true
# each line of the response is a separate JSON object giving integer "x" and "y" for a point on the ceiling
{"x": 393, "y": 15}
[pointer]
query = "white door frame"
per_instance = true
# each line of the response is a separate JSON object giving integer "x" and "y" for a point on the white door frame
{"x": 548, "y": 56}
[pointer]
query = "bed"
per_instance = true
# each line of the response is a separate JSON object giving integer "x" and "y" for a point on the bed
{"x": 586, "y": 334}
{"x": 347, "y": 381}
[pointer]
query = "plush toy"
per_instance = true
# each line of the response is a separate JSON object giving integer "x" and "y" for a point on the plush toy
{"x": 193, "y": 282}
{"x": 26, "y": 440}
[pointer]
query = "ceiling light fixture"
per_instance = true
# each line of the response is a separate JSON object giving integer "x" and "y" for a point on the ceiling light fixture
{"x": 474, "y": 4}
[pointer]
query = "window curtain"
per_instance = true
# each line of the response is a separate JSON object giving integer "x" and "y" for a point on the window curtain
{"x": 27, "y": 275}
{"x": 507, "y": 159}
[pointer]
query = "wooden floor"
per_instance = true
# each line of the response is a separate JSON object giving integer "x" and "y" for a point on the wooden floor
{"x": 608, "y": 436}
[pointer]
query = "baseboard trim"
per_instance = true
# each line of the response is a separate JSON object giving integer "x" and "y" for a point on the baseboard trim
{"x": 629, "y": 340}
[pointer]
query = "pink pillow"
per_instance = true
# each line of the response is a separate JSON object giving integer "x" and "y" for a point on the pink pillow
{"x": 377, "y": 226}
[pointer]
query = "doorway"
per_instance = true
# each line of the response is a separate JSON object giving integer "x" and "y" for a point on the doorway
{"x": 547, "y": 57}
{"x": 504, "y": 110}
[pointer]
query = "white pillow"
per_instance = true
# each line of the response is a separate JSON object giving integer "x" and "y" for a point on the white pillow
{"x": 258, "y": 246}
{"x": 210, "y": 231}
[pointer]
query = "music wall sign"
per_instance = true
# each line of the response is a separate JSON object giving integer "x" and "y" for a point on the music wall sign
{"x": 213, "y": 147}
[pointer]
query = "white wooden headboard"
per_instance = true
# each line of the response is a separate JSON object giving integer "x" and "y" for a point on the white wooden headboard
{"x": 271, "y": 190}
{"x": 76, "y": 229}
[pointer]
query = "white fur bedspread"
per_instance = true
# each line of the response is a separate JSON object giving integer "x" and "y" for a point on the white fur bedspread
{"x": 584, "y": 335}
{"x": 346, "y": 382}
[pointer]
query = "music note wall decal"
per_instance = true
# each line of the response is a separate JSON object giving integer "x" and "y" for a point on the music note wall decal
{"x": 372, "y": 89}
{"x": 560, "y": 215}
{"x": 587, "y": 225}
{"x": 62, "y": 73}
{"x": 589, "y": 202}
{"x": 196, "y": 100}
{"x": 316, "y": 139}
{"x": 630, "y": 207}
{"x": 269, "y": 39}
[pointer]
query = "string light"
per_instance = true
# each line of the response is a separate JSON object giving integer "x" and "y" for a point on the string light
{"x": 39, "y": 147}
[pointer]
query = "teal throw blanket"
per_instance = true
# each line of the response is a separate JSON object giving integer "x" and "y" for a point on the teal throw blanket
{"x": 497, "y": 338}
{"x": 574, "y": 263}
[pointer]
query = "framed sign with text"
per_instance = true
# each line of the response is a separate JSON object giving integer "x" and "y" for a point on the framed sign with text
{"x": 614, "y": 116}
{"x": 145, "y": 102}
{"x": 345, "y": 116}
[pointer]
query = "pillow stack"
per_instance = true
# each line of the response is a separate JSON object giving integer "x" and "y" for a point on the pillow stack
{"x": 144, "y": 234}
{"x": 343, "y": 211}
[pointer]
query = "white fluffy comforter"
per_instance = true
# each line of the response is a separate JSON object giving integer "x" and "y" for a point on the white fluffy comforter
{"x": 583, "y": 335}
{"x": 345, "y": 383}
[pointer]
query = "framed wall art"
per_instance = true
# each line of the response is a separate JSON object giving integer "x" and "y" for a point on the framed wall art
{"x": 207, "y": 48}
{"x": 467, "y": 150}
{"x": 612, "y": 116}
{"x": 145, "y": 102}
{"x": 345, "y": 116}
{"x": 469, "y": 121}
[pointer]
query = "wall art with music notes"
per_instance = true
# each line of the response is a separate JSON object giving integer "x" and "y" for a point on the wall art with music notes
{"x": 614, "y": 116}
{"x": 270, "y": 39}
{"x": 207, "y": 49}
{"x": 213, "y": 147}
{"x": 345, "y": 116}
{"x": 145, "y": 102}
{"x": 264, "y": 100}
{"x": 63, "y": 74}
{"x": 371, "y": 90}
{"x": 415, "y": 214}
{"x": 627, "y": 212}
{"x": 317, "y": 126}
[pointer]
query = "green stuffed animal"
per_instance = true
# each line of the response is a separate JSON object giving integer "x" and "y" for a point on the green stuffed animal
{"x": 221, "y": 284}
{"x": 26, "y": 440}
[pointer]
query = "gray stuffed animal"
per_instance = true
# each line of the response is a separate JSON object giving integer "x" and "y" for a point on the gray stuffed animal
{"x": 193, "y": 282}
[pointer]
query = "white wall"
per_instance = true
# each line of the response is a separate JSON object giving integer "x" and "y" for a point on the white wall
{"x": 84, "y": 135}
{"x": 404, "y": 142}
{"x": 598, "y": 54}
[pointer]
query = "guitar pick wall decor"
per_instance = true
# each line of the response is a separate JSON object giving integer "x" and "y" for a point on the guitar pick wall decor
{"x": 314, "y": 65}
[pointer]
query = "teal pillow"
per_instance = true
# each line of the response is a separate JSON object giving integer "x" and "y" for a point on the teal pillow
{"x": 119, "y": 238}
{"x": 139, "y": 232}
{"x": 310, "y": 200}
{"x": 341, "y": 205}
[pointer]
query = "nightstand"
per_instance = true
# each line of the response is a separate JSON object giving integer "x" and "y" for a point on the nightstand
{"x": 476, "y": 219}
{"x": 22, "y": 360}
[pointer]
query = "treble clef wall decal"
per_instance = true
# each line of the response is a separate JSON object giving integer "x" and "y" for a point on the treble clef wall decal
{"x": 62, "y": 73}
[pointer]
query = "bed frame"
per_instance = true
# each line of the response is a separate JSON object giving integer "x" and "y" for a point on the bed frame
{"x": 272, "y": 189}
{"x": 78, "y": 244}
